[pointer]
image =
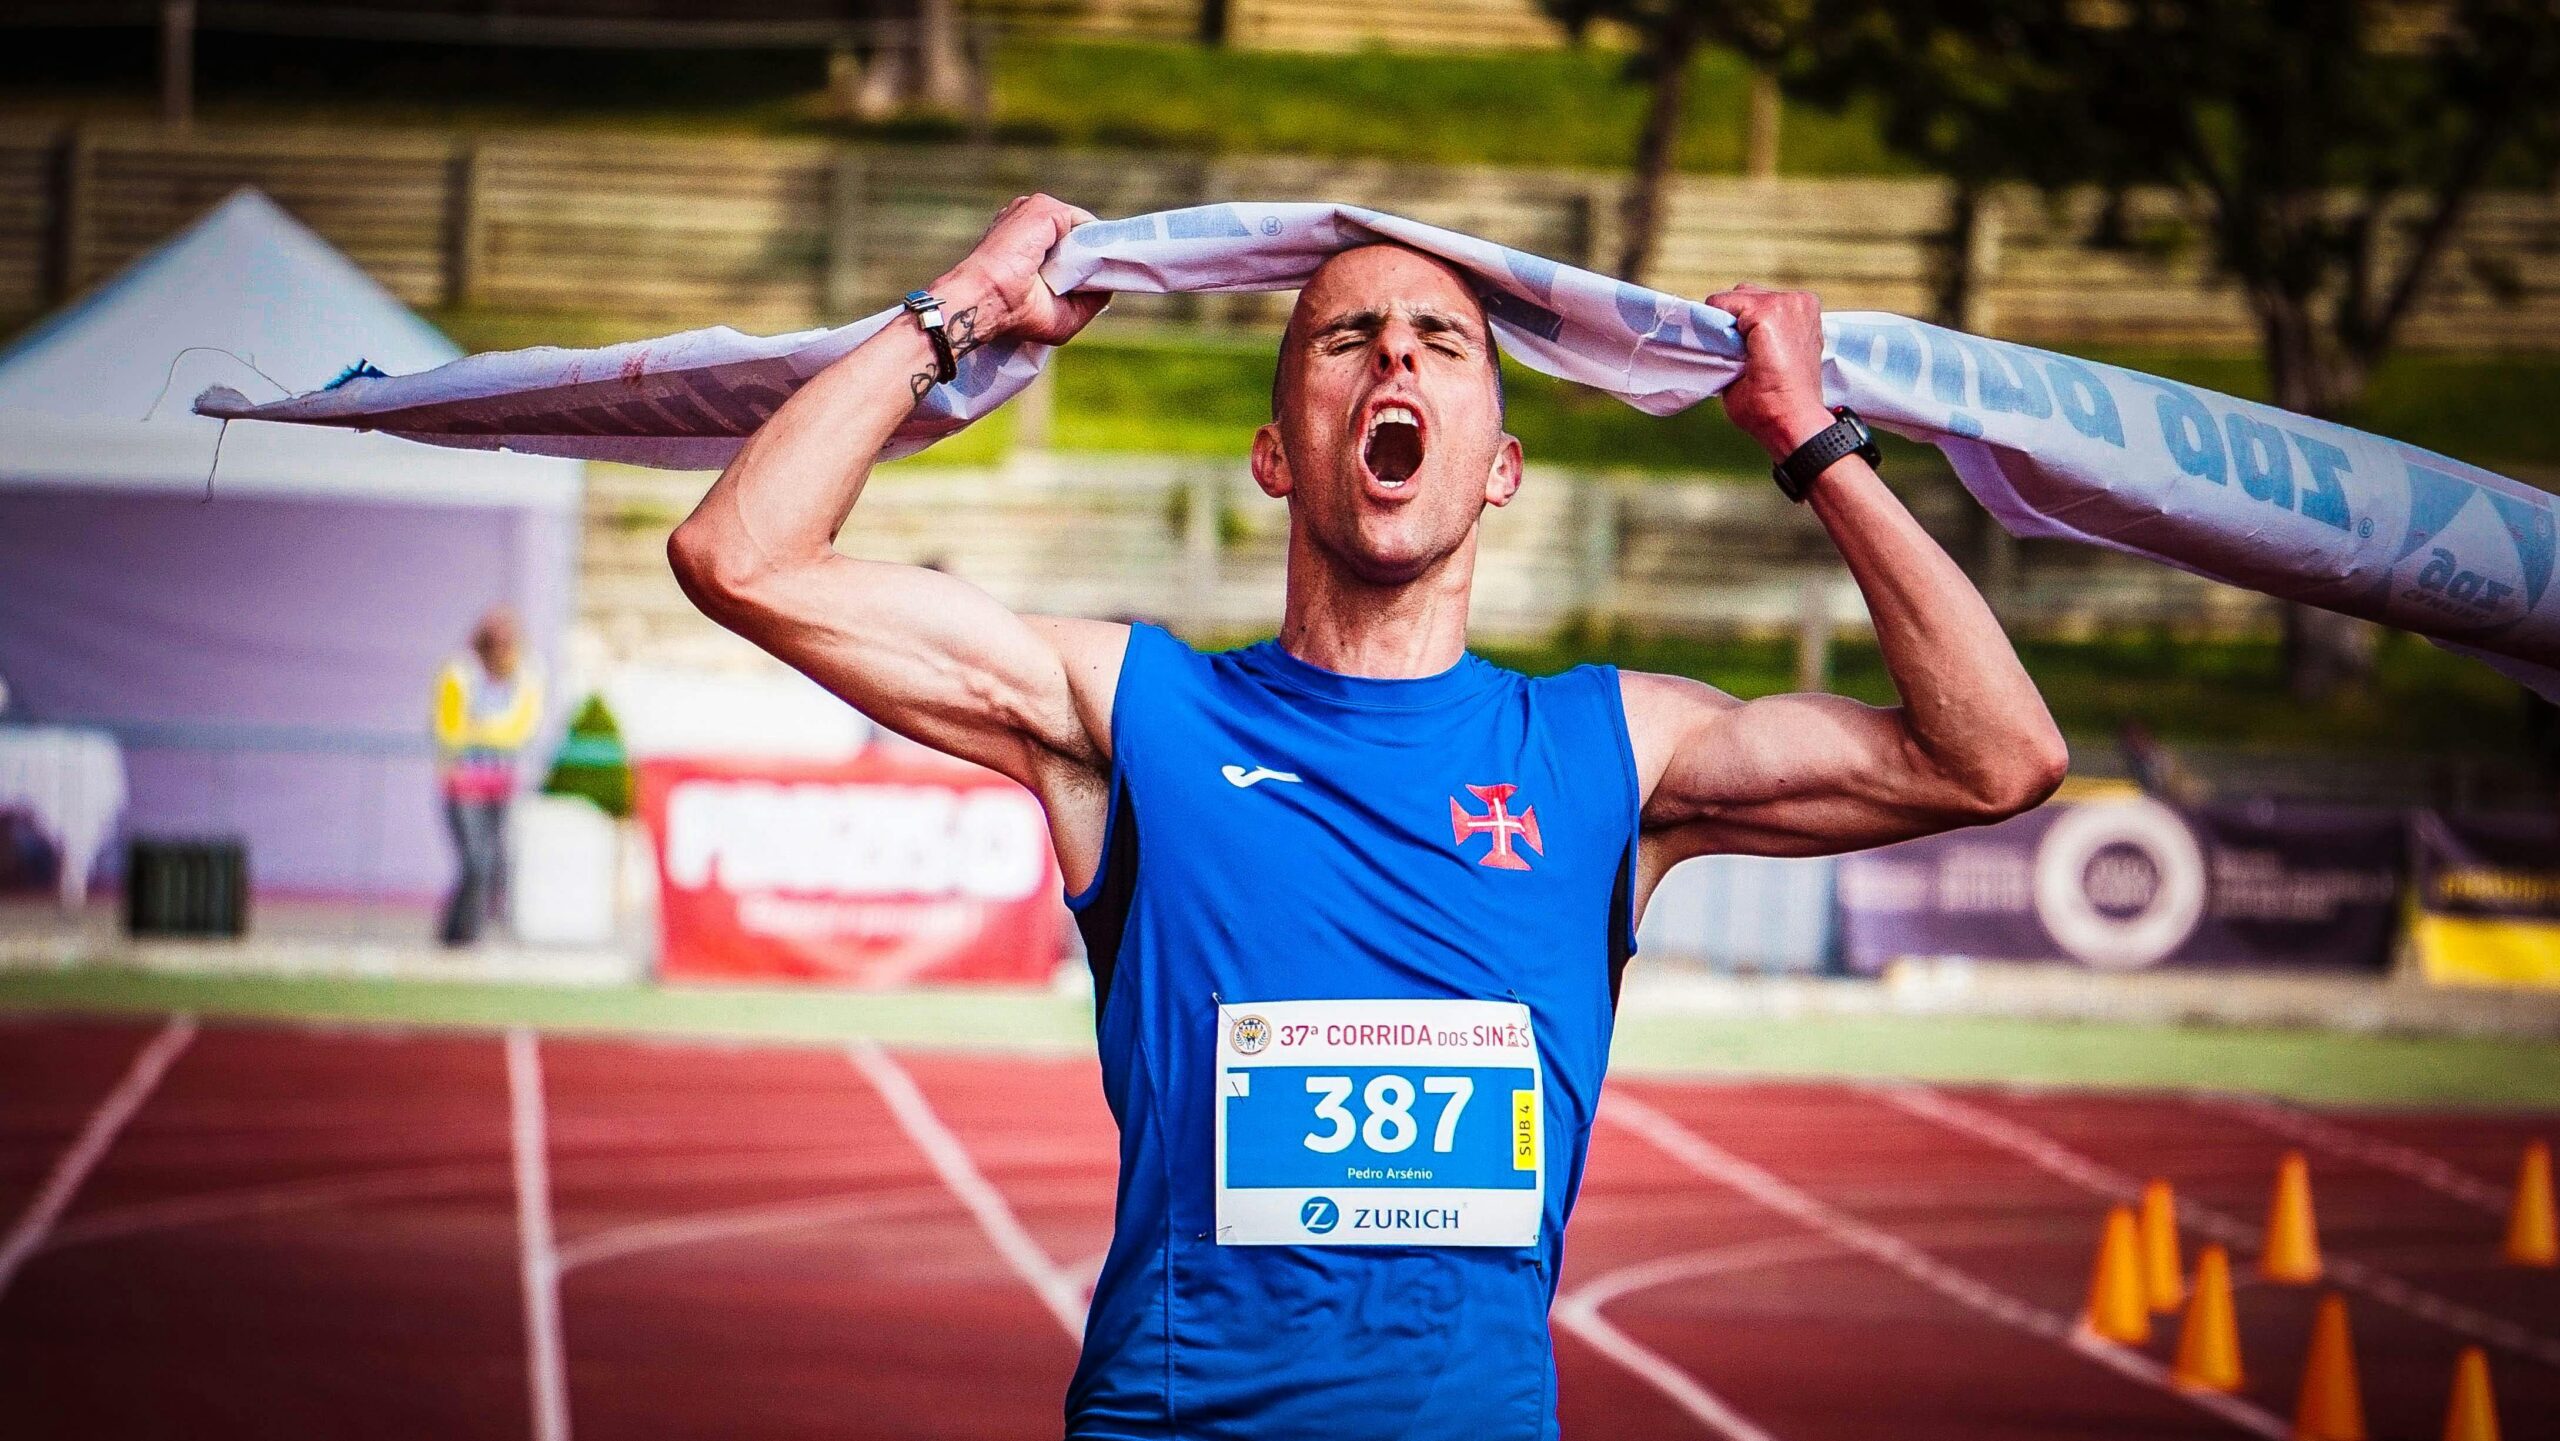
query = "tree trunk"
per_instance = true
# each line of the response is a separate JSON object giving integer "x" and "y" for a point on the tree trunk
{"x": 1951, "y": 290}
{"x": 941, "y": 62}
{"x": 1958, "y": 262}
{"x": 1760, "y": 125}
{"x": 2325, "y": 654}
{"x": 1640, "y": 220}
{"x": 884, "y": 86}
{"x": 920, "y": 62}
{"x": 178, "y": 64}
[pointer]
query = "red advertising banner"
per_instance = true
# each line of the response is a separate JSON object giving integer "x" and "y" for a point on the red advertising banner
{"x": 896, "y": 866}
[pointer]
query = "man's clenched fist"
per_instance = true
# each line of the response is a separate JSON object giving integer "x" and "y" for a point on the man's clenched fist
{"x": 1001, "y": 278}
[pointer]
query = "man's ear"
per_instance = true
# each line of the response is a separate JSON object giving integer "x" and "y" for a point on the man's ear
{"x": 1502, "y": 479}
{"x": 1270, "y": 463}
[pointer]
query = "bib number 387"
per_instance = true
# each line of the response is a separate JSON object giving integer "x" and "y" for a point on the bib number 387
{"x": 1371, "y": 1123}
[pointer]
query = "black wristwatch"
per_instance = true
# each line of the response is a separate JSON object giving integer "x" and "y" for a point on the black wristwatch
{"x": 1846, "y": 435}
{"x": 927, "y": 309}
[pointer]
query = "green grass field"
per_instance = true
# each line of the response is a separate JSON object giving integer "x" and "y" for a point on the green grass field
{"x": 1127, "y": 388}
{"x": 2303, "y": 1065}
{"x": 1148, "y": 390}
{"x": 1568, "y": 108}
{"x": 1196, "y": 397}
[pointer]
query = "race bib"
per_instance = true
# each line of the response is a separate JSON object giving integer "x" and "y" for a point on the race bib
{"x": 1379, "y": 1123}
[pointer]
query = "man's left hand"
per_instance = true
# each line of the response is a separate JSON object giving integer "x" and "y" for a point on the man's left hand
{"x": 1777, "y": 400}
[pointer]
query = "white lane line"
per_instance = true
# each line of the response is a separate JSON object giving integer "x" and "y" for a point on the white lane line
{"x": 105, "y": 1121}
{"x": 1731, "y": 1171}
{"x": 776, "y": 1218}
{"x": 288, "y": 1197}
{"x": 1087, "y": 1271}
{"x": 738, "y": 1223}
{"x": 2321, "y": 1134}
{"x": 251, "y": 1202}
{"x": 2047, "y": 1153}
{"x": 1579, "y": 1312}
{"x": 1056, "y": 1289}
{"x": 546, "y": 1372}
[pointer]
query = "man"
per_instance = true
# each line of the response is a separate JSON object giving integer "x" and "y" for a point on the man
{"x": 487, "y": 704}
{"x": 1356, "y": 846}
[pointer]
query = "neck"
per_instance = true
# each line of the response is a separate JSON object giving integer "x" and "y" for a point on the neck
{"x": 1393, "y": 631}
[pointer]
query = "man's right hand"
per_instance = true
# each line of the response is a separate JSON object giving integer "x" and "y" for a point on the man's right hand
{"x": 1000, "y": 279}
{"x": 925, "y": 654}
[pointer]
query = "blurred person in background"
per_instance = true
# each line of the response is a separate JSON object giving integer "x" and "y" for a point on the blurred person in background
{"x": 488, "y": 701}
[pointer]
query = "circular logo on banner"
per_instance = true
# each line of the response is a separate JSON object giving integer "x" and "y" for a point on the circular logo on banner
{"x": 1249, "y": 1035}
{"x": 2120, "y": 884}
{"x": 1319, "y": 1214}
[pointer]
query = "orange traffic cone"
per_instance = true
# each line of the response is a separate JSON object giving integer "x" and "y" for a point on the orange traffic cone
{"x": 2209, "y": 1341}
{"x": 2533, "y": 1238}
{"x": 2331, "y": 1406}
{"x": 2291, "y": 1251}
{"x": 2472, "y": 1415}
{"x": 2164, "y": 1282}
{"x": 2117, "y": 1310}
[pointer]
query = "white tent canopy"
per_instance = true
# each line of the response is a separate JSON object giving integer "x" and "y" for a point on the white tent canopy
{"x": 246, "y": 281}
{"x": 266, "y": 660}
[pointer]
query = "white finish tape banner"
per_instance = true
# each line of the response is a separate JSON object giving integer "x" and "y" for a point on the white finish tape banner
{"x": 2054, "y": 447}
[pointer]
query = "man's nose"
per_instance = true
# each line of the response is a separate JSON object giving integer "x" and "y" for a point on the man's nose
{"x": 1398, "y": 351}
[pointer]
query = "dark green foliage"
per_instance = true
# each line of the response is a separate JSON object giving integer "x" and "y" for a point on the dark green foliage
{"x": 2330, "y": 149}
{"x": 591, "y": 761}
{"x": 2425, "y": 702}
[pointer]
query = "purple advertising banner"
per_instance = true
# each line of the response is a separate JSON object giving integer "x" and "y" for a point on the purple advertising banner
{"x": 2126, "y": 882}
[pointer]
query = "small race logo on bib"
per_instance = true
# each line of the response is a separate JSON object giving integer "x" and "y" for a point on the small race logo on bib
{"x": 1249, "y": 1035}
{"x": 1319, "y": 1214}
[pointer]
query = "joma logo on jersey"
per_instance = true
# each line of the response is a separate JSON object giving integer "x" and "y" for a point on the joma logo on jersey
{"x": 1499, "y": 823}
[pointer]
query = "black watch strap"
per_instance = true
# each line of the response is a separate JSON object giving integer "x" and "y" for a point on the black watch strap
{"x": 926, "y": 307}
{"x": 1846, "y": 435}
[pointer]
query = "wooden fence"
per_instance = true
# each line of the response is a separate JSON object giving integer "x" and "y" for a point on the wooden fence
{"x": 1190, "y": 542}
{"x": 775, "y": 235}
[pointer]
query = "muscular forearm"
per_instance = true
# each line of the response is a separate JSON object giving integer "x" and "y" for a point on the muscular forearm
{"x": 788, "y": 492}
{"x": 1814, "y": 775}
{"x": 1969, "y": 705}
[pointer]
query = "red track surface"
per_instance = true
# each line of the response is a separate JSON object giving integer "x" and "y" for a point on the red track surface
{"x": 299, "y": 1232}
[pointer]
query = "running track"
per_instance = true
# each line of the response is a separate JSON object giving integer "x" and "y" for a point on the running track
{"x": 224, "y": 1231}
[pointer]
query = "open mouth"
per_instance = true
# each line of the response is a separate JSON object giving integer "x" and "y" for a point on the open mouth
{"x": 1393, "y": 447}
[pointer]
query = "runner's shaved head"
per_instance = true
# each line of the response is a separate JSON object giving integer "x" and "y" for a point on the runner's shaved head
{"x": 1387, "y": 432}
{"x": 1341, "y": 299}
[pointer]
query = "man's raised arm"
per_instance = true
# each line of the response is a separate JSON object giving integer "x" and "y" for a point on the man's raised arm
{"x": 926, "y": 654}
{"x": 1818, "y": 774}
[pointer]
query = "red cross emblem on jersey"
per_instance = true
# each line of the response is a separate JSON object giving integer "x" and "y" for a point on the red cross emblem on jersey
{"x": 1499, "y": 823}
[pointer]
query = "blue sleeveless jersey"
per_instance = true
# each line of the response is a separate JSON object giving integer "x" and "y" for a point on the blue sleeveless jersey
{"x": 1280, "y": 833}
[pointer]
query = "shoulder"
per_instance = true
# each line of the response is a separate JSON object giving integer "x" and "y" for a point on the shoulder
{"x": 1664, "y": 714}
{"x": 1093, "y": 656}
{"x": 1089, "y": 645}
{"x": 1654, "y": 699}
